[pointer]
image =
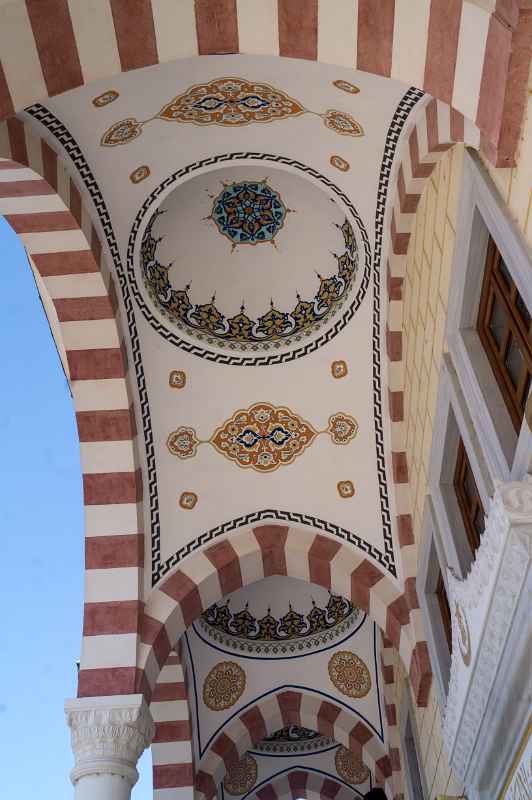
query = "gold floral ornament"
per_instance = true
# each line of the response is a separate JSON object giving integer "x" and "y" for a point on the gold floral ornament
{"x": 339, "y": 369}
{"x": 263, "y": 437}
{"x": 241, "y": 776}
{"x": 231, "y": 102}
{"x": 183, "y": 443}
{"x": 104, "y": 99}
{"x": 345, "y": 86}
{"x": 345, "y": 489}
{"x": 349, "y": 674}
{"x": 223, "y": 686}
{"x": 122, "y": 132}
{"x": 349, "y": 768}
{"x": 342, "y": 428}
{"x": 177, "y": 379}
{"x": 140, "y": 174}
{"x": 340, "y": 163}
{"x": 188, "y": 500}
{"x": 342, "y": 123}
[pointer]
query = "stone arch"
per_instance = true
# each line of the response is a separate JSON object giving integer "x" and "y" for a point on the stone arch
{"x": 461, "y": 52}
{"x": 172, "y": 744}
{"x": 280, "y": 709}
{"x": 312, "y": 784}
{"x": 434, "y": 129}
{"x": 252, "y": 554}
{"x": 47, "y": 215}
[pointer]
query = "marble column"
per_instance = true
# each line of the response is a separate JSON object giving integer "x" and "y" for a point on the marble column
{"x": 108, "y": 735}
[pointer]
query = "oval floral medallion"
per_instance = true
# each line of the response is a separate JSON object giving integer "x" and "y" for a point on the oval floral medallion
{"x": 349, "y": 674}
{"x": 241, "y": 776}
{"x": 349, "y": 768}
{"x": 223, "y": 685}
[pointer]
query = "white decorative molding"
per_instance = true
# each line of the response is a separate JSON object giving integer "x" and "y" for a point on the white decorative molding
{"x": 489, "y": 599}
{"x": 108, "y": 734}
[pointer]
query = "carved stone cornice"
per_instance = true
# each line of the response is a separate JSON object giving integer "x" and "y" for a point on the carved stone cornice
{"x": 108, "y": 734}
{"x": 484, "y": 606}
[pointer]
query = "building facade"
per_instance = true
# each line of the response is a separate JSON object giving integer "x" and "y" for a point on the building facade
{"x": 284, "y": 248}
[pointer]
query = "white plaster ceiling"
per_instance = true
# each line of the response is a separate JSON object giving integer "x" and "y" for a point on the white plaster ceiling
{"x": 294, "y": 154}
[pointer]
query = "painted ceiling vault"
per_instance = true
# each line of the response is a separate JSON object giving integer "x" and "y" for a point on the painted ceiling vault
{"x": 242, "y": 201}
{"x": 275, "y": 637}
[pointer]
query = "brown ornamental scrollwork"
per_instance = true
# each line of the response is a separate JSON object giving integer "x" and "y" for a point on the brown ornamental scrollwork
{"x": 349, "y": 768}
{"x": 241, "y": 776}
{"x": 349, "y": 674}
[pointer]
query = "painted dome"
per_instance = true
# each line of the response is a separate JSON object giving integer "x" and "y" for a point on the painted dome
{"x": 250, "y": 259}
{"x": 278, "y": 619}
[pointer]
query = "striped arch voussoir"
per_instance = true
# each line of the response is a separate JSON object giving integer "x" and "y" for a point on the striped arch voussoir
{"x": 279, "y": 710}
{"x": 251, "y": 555}
{"x": 44, "y": 208}
{"x": 465, "y": 53}
{"x": 172, "y": 744}
{"x": 295, "y": 783}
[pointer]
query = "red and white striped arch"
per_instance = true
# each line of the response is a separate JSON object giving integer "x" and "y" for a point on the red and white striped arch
{"x": 473, "y": 56}
{"x": 172, "y": 744}
{"x": 280, "y": 710}
{"x": 60, "y": 239}
{"x": 252, "y": 554}
{"x": 296, "y": 783}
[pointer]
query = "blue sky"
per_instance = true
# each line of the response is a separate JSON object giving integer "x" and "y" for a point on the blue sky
{"x": 41, "y": 545}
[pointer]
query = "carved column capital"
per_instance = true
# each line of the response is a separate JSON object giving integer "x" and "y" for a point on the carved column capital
{"x": 108, "y": 734}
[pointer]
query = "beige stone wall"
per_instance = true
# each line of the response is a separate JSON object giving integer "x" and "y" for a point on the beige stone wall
{"x": 426, "y": 291}
{"x": 428, "y": 274}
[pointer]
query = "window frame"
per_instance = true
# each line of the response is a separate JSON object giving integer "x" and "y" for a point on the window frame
{"x": 495, "y": 289}
{"x": 432, "y": 564}
{"x": 482, "y": 214}
{"x": 409, "y": 742}
{"x": 452, "y": 423}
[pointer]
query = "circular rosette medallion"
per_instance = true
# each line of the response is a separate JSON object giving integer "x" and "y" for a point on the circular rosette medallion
{"x": 349, "y": 768}
{"x": 223, "y": 685}
{"x": 241, "y": 776}
{"x": 349, "y": 674}
{"x": 249, "y": 212}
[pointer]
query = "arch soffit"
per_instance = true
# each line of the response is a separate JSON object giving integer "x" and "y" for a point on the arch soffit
{"x": 463, "y": 53}
{"x": 298, "y": 782}
{"x": 433, "y": 131}
{"x": 253, "y": 554}
{"x": 285, "y": 707}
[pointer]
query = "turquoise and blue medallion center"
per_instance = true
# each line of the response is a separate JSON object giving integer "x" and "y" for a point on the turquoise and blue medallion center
{"x": 249, "y": 212}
